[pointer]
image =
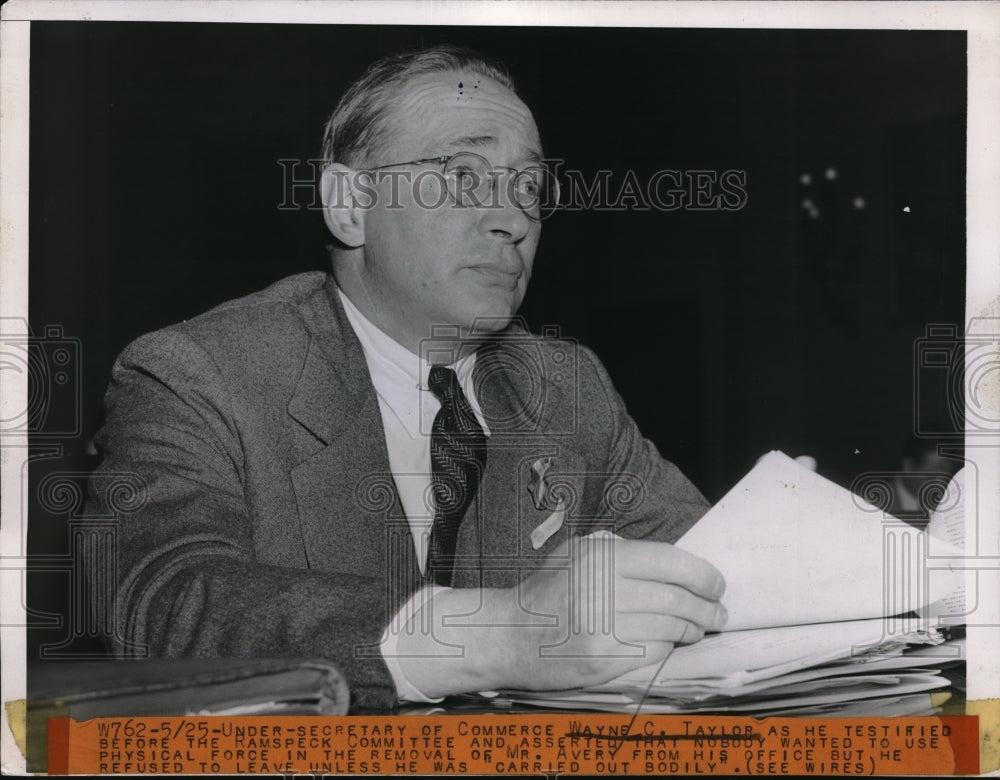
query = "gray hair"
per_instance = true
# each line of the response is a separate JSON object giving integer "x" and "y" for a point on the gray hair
{"x": 359, "y": 127}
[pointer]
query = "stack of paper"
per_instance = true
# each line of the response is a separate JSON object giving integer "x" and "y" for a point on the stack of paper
{"x": 810, "y": 669}
{"x": 834, "y": 608}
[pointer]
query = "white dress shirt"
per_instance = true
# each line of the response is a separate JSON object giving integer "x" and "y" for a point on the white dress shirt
{"x": 408, "y": 409}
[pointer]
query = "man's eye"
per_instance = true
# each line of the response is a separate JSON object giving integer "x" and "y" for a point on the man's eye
{"x": 466, "y": 177}
{"x": 529, "y": 187}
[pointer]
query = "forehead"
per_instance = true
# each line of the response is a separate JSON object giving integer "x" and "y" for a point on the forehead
{"x": 439, "y": 113}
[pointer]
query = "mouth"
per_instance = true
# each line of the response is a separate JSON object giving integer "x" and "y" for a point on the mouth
{"x": 498, "y": 274}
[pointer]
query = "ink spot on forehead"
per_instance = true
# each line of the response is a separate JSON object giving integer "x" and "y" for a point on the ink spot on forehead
{"x": 433, "y": 111}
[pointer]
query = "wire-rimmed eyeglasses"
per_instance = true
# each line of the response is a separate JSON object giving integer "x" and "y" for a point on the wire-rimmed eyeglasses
{"x": 471, "y": 181}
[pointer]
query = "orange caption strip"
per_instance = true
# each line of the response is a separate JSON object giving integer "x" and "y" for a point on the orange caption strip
{"x": 546, "y": 743}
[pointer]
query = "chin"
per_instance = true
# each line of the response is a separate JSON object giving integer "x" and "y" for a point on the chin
{"x": 490, "y": 321}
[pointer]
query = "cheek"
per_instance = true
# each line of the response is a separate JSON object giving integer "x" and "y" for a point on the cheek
{"x": 528, "y": 248}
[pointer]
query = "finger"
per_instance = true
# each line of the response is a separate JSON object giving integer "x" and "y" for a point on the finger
{"x": 648, "y": 596}
{"x": 664, "y": 562}
{"x": 651, "y": 651}
{"x": 808, "y": 461}
{"x": 654, "y": 627}
{"x": 628, "y": 653}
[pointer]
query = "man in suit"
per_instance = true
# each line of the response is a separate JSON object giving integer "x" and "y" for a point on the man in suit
{"x": 380, "y": 466}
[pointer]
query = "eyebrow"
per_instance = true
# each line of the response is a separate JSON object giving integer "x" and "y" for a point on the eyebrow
{"x": 480, "y": 141}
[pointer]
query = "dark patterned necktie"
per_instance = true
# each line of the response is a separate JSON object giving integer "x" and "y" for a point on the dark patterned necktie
{"x": 458, "y": 458}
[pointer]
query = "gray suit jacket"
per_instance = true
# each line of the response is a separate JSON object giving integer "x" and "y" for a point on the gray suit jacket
{"x": 267, "y": 521}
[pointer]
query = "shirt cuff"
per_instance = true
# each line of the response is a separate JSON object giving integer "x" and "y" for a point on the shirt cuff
{"x": 405, "y": 621}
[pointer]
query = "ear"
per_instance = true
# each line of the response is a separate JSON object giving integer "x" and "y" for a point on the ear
{"x": 343, "y": 204}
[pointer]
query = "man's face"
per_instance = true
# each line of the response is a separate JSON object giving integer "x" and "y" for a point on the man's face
{"x": 427, "y": 261}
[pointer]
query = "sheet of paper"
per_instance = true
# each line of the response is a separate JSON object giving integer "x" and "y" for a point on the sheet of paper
{"x": 796, "y": 548}
{"x": 910, "y": 683}
{"x": 828, "y": 699}
{"x": 827, "y": 674}
{"x": 892, "y": 707}
{"x": 947, "y": 521}
{"x": 947, "y": 535}
{"x": 740, "y": 657}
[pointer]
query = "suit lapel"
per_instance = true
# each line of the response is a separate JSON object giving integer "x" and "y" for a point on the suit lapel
{"x": 334, "y": 385}
{"x": 349, "y": 510}
{"x": 518, "y": 401}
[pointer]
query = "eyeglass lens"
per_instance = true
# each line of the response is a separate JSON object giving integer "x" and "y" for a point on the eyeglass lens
{"x": 471, "y": 181}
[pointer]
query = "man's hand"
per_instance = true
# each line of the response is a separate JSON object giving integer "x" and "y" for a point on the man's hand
{"x": 597, "y": 608}
{"x": 623, "y": 604}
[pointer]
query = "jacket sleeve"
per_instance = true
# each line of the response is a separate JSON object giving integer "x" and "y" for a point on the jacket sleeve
{"x": 188, "y": 581}
{"x": 647, "y": 495}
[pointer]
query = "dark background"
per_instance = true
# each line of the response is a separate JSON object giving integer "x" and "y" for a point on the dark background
{"x": 156, "y": 184}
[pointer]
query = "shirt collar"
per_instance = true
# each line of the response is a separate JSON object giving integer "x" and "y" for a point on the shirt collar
{"x": 400, "y": 376}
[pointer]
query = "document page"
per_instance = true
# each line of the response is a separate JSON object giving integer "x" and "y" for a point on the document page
{"x": 796, "y": 548}
{"x": 738, "y": 658}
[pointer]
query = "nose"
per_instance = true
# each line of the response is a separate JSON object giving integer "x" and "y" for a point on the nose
{"x": 501, "y": 216}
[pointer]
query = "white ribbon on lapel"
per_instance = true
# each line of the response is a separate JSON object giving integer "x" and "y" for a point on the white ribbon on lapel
{"x": 549, "y": 526}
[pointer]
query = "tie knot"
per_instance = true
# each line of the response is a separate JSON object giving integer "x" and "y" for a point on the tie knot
{"x": 443, "y": 382}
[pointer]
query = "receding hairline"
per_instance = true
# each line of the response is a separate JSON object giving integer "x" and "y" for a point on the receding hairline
{"x": 364, "y": 109}
{"x": 395, "y": 122}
